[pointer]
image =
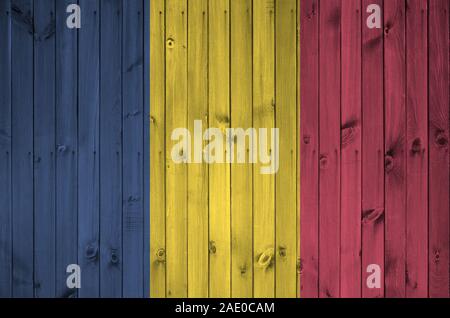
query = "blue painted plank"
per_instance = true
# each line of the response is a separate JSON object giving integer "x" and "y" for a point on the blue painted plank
{"x": 44, "y": 148}
{"x": 5, "y": 151}
{"x": 22, "y": 147}
{"x": 133, "y": 192}
{"x": 88, "y": 149}
{"x": 111, "y": 149}
{"x": 146, "y": 169}
{"x": 67, "y": 148}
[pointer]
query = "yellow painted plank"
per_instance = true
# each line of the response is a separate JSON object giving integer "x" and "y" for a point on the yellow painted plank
{"x": 264, "y": 117}
{"x": 157, "y": 151}
{"x": 241, "y": 174}
{"x": 198, "y": 173}
{"x": 219, "y": 174}
{"x": 286, "y": 120}
{"x": 176, "y": 174}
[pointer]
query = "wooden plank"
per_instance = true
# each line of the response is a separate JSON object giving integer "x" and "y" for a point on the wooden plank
{"x": 241, "y": 174}
{"x": 157, "y": 150}
{"x": 298, "y": 134}
{"x": 5, "y": 152}
{"x": 263, "y": 117}
{"x": 395, "y": 147}
{"x": 286, "y": 121}
{"x": 22, "y": 147}
{"x": 197, "y": 187}
{"x": 44, "y": 149}
{"x": 219, "y": 174}
{"x": 176, "y": 174}
{"x": 67, "y": 148}
{"x": 111, "y": 149}
{"x": 146, "y": 142}
{"x": 417, "y": 156}
{"x": 372, "y": 191}
{"x": 351, "y": 150}
{"x": 88, "y": 148}
{"x": 309, "y": 148}
{"x": 329, "y": 140}
{"x": 438, "y": 82}
{"x": 133, "y": 112}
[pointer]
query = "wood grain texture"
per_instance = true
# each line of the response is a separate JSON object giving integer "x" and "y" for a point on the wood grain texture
{"x": 309, "y": 148}
{"x": 350, "y": 264}
{"x": 329, "y": 144}
{"x": 241, "y": 175}
{"x": 66, "y": 126}
{"x": 111, "y": 147}
{"x": 417, "y": 151}
{"x": 176, "y": 174}
{"x": 88, "y": 149}
{"x": 22, "y": 160}
{"x": 224, "y": 74}
{"x": 264, "y": 117}
{"x": 286, "y": 119}
{"x": 395, "y": 147}
{"x": 61, "y": 142}
{"x": 133, "y": 157}
{"x": 438, "y": 138}
{"x": 394, "y": 207}
{"x": 44, "y": 149}
{"x": 5, "y": 152}
{"x": 198, "y": 265}
{"x": 372, "y": 191}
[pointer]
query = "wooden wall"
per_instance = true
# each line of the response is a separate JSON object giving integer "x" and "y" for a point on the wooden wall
{"x": 223, "y": 230}
{"x": 374, "y": 148}
{"x": 74, "y": 155}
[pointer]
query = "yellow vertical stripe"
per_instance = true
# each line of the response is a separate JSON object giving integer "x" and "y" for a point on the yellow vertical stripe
{"x": 219, "y": 174}
{"x": 176, "y": 174}
{"x": 157, "y": 150}
{"x": 198, "y": 173}
{"x": 286, "y": 120}
{"x": 241, "y": 174}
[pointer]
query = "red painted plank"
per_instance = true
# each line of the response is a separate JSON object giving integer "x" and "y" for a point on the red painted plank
{"x": 417, "y": 154}
{"x": 438, "y": 142}
{"x": 373, "y": 150}
{"x": 395, "y": 147}
{"x": 329, "y": 144}
{"x": 351, "y": 150}
{"x": 309, "y": 150}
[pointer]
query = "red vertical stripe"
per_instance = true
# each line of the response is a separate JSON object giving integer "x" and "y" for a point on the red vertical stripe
{"x": 438, "y": 142}
{"x": 309, "y": 176}
{"x": 417, "y": 152}
{"x": 351, "y": 149}
{"x": 373, "y": 149}
{"x": 395, "y": 151}
{"x": 329, "y": 145}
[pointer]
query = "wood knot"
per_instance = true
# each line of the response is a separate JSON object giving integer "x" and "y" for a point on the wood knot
{"x": 416, "y": 147}
{"x": 323, "y": 161}
{"x": 441, "y": 139}
{"x": 388, "y": 163}
{"x": 91, "y": 251}
{"x": 212, "y": 247}
{"x": 372, "y": 215}
{"x": 170, "y": 43}
{"x": 265, "y": 259}
{"x": 243, "y": 269}
{"x": 349, "y": 132}
{"x": 307, "y": 139}
{"x": 114, "y": 258}
{"x": 61, "y": 148}
{"x": 161, "y": 255}
{"x": 437, "y": 256}
{"x": 282, "y": 251}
